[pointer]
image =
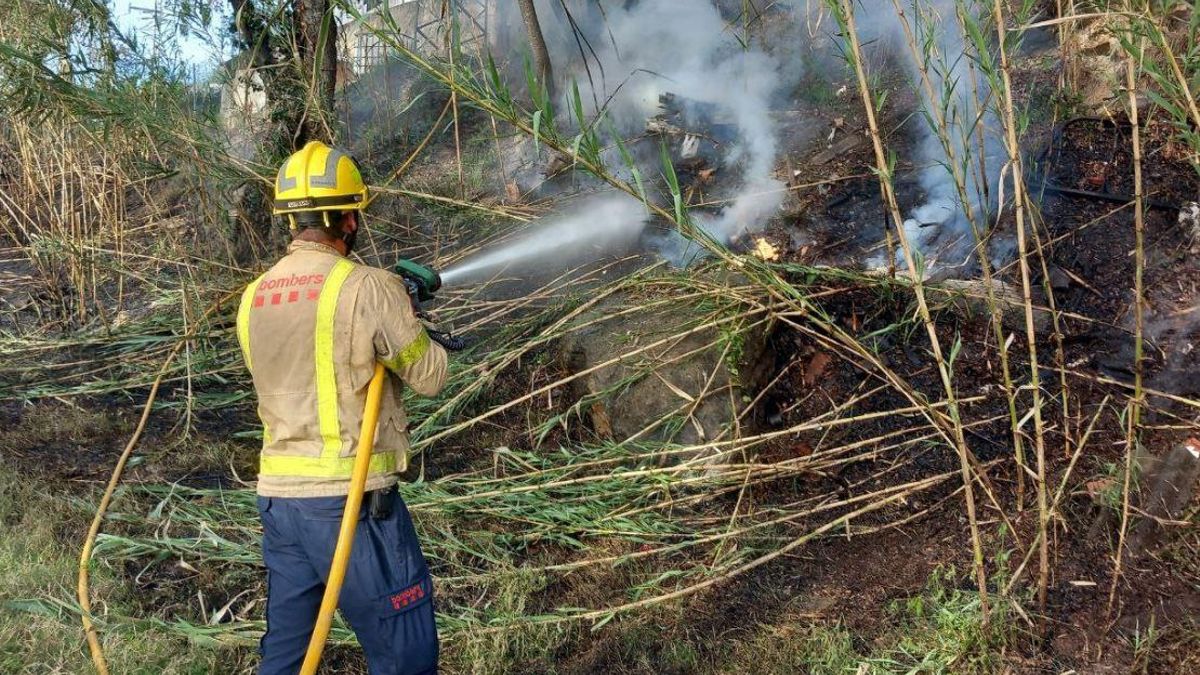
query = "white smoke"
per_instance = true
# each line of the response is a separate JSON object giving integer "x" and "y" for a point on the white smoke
{"x": 938, "y": 225}
{"x": 643, "y": 49}
{"x": 686, "y": 48}
{"x": 696, "y": 57}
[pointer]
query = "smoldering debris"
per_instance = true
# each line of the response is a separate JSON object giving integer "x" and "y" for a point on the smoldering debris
{"x": 941, "y": 225}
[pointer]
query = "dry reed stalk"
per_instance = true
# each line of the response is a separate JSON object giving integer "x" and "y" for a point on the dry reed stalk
{"x": 790, "y": 188}
{"x": 84, "y": 596}
{"x": 884, "y": 170}
{"x": 450, "y": 17}
{"x": 1181, "y": 80}
{"x": 560, "y": 382}
{"x": 1066, "y": 76}
{"x": 789, "y": 517}
{"x": 840, "y": 521}
{"x": 490, "y": 312}
{"x": 1146, "y": 391}
{"x": 819, "y": 423}
{"x": 1061, "y": 491}
{"x": 1020, "y": 208}
{"x": 1133, "y": 421}
{"x": 1056, "y": 316}
{"x": 814, "y": 423}
{"x": 504, "y": 212}
{"x": 942, "y": 128}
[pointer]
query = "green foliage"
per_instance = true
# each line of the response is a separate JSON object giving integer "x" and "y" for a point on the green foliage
{"x": 1163, "y": 41}
{"x": 939, "y": 630}
{"x": 796, "y": 647}
{"x": 733, "y": 343}
{"x": 943, "y": 630}
{"x": 1111, "y": 493}
{"x": 672, "y": 182}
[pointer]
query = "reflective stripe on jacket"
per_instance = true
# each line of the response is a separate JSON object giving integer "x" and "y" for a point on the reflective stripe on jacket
{"x": 311, "y": 330}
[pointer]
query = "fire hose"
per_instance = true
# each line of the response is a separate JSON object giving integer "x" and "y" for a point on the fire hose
{"x": 422, "y": 282}
{"x": 341, "y": 554}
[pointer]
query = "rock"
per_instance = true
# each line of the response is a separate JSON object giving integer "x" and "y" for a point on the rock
{"x": 1171, "y": 481}
{"x": 687, "y": 390}
{"x": 1059, "y": 279}
{"x": 839, "y": 149}
{"x": 1098, "y": 67}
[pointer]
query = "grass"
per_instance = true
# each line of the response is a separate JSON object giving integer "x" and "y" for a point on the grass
{"x": 943, "y": 630}
{"x": 39, "y": 630}
{"x": 799, "y": 646}
{"x": 938, "y": 630}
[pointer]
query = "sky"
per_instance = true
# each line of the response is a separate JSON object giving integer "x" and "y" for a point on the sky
{"x": 137, "y": 18}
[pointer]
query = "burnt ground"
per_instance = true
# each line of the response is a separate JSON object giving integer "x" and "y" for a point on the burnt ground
{"x": 846, "y": 582}
{"x": 1089, "y": 245}
{"x": 1088, "y": 242}
{"x": 852, "y": 581}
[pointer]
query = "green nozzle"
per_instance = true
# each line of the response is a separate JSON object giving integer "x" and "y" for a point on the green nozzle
{"x": 426, "y": 280}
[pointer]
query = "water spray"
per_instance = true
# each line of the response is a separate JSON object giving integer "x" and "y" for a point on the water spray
{"x": 599, "y": 226}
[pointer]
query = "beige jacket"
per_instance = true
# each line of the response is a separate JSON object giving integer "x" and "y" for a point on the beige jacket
{"x": 311, "y": 330}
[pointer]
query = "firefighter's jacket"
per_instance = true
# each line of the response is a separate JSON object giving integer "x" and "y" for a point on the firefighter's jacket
{"x": 311, "y": 330}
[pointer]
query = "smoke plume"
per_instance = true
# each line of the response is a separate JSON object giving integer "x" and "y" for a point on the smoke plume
{"x": 641, "y": 50}
{"x": 938, "y": 225}
{"x": 686, "y": 49}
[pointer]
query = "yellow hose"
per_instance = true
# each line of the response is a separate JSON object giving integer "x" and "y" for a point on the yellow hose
{"x": 341, "y": 554}
{"x": 85, "y": 556}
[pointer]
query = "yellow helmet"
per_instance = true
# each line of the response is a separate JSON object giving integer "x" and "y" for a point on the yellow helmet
{"x": 318, "y": 178}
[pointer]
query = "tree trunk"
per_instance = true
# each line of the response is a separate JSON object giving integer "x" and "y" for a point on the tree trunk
{"x": 300, "y": 100}
{"x": 252, "y": 232}
{"x": 537, "y": 42}
{"x": 317, "y": 43}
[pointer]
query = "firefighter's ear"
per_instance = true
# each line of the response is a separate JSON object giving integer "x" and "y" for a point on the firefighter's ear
{"x": 349, "y": 221}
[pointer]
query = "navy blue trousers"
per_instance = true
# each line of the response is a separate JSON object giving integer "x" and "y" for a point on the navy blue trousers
{"x": 387, "y": 597}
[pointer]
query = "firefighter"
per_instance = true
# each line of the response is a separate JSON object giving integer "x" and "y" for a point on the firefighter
{"x": 311, "y": 330}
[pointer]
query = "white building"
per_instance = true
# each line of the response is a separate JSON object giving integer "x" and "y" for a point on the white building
{"x": 416, "y": 24}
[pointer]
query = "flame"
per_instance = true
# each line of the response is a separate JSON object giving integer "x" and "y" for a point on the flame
{"x": 765, "y": 250}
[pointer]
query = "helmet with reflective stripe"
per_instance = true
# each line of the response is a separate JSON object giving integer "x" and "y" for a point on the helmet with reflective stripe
{"x": 318, "y": 178}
